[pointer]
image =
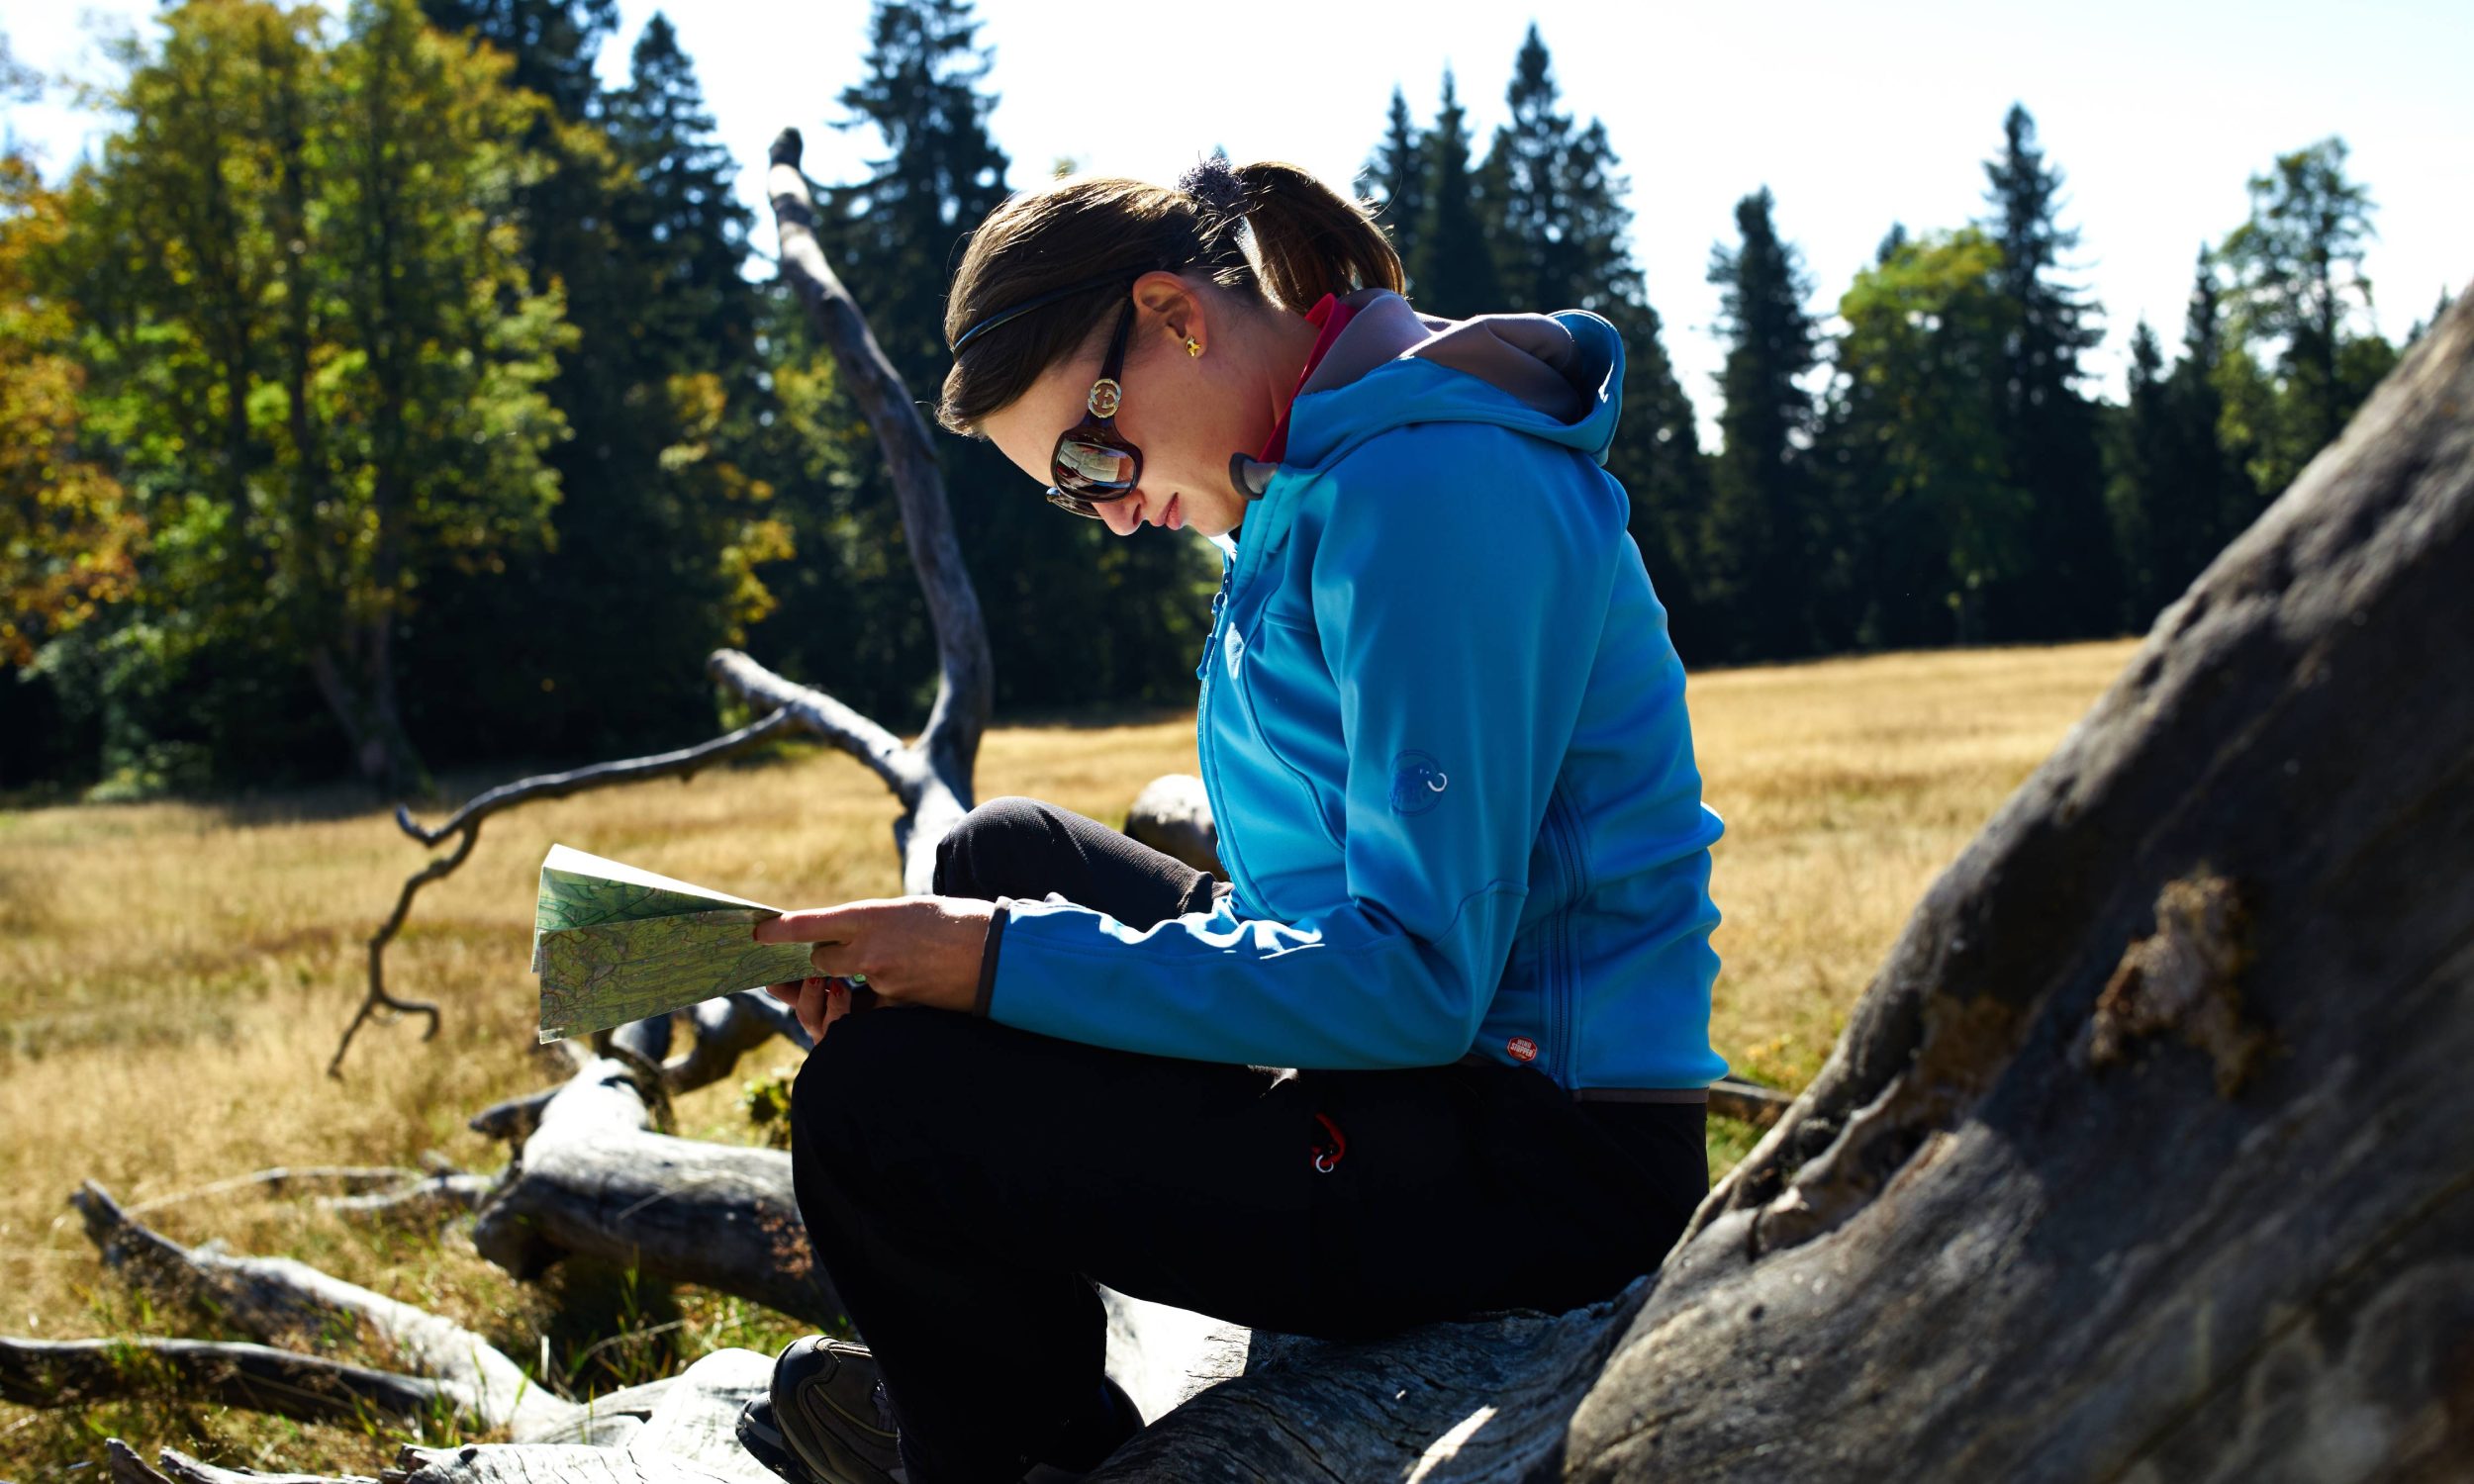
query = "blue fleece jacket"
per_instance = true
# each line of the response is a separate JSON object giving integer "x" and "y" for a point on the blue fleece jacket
{"x": 1443, "y": 731}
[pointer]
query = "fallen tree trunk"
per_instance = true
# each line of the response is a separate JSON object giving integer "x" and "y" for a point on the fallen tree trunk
{"x": 232, "y": 1373}
{"x": 277, "y": 1299}
{"x": 595, "y": 1178}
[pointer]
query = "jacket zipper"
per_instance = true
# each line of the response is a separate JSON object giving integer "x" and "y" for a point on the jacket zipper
{"x": 1206, "y": 745}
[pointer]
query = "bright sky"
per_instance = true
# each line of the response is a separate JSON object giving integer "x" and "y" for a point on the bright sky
{"x": 2155, "y": 111}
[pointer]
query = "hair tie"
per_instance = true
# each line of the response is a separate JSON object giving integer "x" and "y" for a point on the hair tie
{"x": 1214, "y": 183}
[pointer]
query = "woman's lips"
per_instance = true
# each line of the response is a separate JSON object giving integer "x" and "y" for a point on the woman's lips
{"x": 1172, "y": 518}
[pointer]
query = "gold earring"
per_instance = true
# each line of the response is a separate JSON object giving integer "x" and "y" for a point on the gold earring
{"x": 1193, "y": 347}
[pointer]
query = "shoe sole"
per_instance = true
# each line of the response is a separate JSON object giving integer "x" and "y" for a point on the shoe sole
{"x": 765, "y": 1443}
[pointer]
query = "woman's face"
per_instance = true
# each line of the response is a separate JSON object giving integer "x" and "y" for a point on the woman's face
{"x": 1185, "y": 413}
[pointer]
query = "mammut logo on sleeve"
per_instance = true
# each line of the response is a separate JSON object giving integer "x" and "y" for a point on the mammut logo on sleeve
{"x": 1417, "y": 783}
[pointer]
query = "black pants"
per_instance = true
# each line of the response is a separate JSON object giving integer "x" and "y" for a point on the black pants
{"x": 965, "y": 1181}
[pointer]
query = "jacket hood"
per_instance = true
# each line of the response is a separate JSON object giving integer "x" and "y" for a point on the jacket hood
{"x": 1555, "y": 377}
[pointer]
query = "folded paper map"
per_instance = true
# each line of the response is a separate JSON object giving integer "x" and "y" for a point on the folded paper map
{"x": 614, "y": 943}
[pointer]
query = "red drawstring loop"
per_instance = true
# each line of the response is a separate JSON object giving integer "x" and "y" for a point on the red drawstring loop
{"x": 1327, "y": 1155}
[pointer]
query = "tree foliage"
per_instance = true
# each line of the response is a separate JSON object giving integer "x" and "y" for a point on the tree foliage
{"x": 393, "y": 375}
{"x": 312, "y": 337}
{"x": 69, "y": 534}
{"x": 2295, "y": 271}
{"x": 1762, "y": 548}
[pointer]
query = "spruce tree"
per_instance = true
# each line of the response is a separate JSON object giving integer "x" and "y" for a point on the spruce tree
{"x": 1076, "y": 615}
{"x": 1762, "y": 534}
{"x": 2071, "y": 588}
{"x": 2146, "y": 516}
{"x": 1394, "y": 178}
{"x": 2206, "y": 479}
{"x": 2415, "y": 331}
{"x": 1453, "y": 266}
{"x": 1556, "y": 213}
{"x": 682, "y": 229}
{"x": 661, "y": 499}
{"x": 1536, "y": 230}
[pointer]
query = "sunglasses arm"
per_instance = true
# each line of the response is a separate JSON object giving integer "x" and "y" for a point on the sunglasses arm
{"x": 1251, "y": 479}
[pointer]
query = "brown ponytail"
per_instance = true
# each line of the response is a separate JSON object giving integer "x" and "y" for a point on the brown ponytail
{"x": 1306, "y": 241}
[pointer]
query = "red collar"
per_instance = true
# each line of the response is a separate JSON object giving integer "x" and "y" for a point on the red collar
{"x": 1330, "y": 316}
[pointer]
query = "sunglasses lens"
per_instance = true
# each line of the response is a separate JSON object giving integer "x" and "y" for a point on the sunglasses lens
{"x": 1087, "y": 466}
{"x": 1075, "y": 503}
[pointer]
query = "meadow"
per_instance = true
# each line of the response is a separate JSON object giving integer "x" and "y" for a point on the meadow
{"x": 173, "y": 978}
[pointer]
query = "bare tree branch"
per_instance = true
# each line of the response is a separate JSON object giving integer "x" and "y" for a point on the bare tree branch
{"x": 685, "y": 763}
{"x": 966, "y": 687}
{"x": 465, "y": 825}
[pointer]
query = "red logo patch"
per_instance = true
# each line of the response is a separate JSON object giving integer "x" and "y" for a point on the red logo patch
{"x": 1522, "y": 1048}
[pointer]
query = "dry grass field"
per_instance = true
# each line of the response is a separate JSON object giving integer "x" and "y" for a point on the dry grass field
{"x": 173, "y": 978}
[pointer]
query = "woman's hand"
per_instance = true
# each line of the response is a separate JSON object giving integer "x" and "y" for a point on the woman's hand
{"x": 914, "y": 950}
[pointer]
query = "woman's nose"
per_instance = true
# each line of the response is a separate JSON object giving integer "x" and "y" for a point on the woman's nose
{"x": 1124, "y": 516}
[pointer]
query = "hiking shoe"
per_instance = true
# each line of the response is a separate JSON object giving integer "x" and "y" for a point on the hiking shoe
{"x": 827, "y": 1419}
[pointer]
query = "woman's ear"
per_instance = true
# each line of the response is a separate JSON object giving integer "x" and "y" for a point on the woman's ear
{"x": 1175, "y": 306}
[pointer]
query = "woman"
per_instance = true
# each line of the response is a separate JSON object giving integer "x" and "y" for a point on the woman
{"x": 1443, "y": 731}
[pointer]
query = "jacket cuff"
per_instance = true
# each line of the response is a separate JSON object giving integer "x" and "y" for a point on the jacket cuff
{"x": 988, "y": 959}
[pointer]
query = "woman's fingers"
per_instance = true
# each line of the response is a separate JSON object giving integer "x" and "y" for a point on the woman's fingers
{"x": 818, "y": 1001}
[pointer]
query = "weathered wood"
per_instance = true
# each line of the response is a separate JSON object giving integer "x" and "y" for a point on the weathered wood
{"x": 724, "y": 1028}
{"x": 1173, "y": 815}
{"x": 1749, "y": 1101}
{"x": 593, "y": 1179}
{"x": 232, "y": 1373}
{"x": 2150, "y": 1152}
{"x": 277, "y": 1298}
{"x": 351, "y": 1179}
{"x": 179, "y": 1467}
{"x": 1485, "y": 1397}
{"x": 948, "y": 748}
{"x": 126, "y": 1467}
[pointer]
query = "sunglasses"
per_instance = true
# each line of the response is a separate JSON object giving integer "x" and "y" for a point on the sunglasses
{"x": 1093, "y": 463}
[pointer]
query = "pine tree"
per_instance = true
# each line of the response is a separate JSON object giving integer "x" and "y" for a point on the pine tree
{"x": 1454, "y": 267}
{"x": 636, "y": 221}
{"x": 1556, "y": 209}
{"x": 1761, "y": 535}
{"x": 2415, "y": 333}
{"x": 683, "y": 231}
{"x": 2206, "y": 479}
{"x": 2138, "y": 493}
{"x": 1394, "y": 177}
{"x": 897, "y": 234}
{"x": 2073, "y": 587}
{"x": 553, "y": 43}
{"x": 1536, "y": 230}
